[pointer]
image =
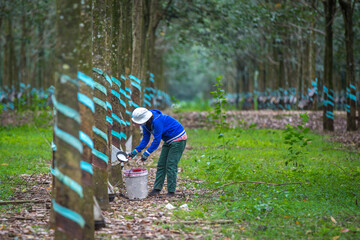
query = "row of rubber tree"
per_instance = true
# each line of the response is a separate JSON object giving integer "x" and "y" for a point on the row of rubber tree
{"x": 93, "y": 101}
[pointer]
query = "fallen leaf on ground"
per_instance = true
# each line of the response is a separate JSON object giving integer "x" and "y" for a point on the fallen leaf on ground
{"x": 170, "y": 206}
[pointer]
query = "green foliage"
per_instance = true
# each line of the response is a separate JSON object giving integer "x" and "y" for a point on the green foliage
{"x": 218, "y": 116}
{"x": 295, "y": 138}
{"x": 329, "y": 188}
{"x": 23, "y": 150}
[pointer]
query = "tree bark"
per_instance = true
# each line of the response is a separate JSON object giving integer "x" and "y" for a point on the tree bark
{"x": 328, "y": 113}
{"x": 86, "y": 108}
{"x": 137, "y": 62}
{"x": 69, "y": 197}
{"x": 347, "y": 12}
{"x": 101, "y": 150}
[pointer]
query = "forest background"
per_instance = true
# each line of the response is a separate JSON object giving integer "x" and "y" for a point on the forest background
{"x": 256, "y": 45}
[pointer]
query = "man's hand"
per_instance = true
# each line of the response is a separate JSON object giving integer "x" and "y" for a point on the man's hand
{"x": 132, "y": 154}
{"x": 144, "y": 157}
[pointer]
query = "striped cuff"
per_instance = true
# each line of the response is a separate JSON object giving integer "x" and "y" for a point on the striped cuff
{"x": 146, "y": 153}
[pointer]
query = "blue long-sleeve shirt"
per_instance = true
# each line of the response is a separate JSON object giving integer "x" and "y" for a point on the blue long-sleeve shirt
{"x": 163, "y": 127}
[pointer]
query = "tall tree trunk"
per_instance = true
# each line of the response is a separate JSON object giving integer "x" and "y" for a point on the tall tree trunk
{"x": 11, "y": 56}
{"x": 101, "y": 150}
{"x": 69, "y": 193}
{"x": 117, "y": 135}
{"x": 328, "y": 113}
{"x": 87, "y": 109}
{"x": 137, "y": 62}
{"x": 41, "y": 58}
{"x": 24, "y": 35}
{"x": 125, "y": 58}
{"x": 347, "y": 11}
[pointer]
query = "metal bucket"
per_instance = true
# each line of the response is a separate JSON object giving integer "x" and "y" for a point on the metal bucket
{"x": 136, "y": 183}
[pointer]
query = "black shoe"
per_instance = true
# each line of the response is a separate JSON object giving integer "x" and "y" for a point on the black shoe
{"x": 154, "y": 193}
{"x": 170, "y": 194}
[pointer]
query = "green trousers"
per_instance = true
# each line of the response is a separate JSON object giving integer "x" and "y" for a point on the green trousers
{"x": 168, "y": 164}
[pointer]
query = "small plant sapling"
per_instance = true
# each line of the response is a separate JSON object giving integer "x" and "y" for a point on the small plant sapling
{"x": 295, "y": 138}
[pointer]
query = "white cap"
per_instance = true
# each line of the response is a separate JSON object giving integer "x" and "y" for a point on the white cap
{"x": 141, "y": 115}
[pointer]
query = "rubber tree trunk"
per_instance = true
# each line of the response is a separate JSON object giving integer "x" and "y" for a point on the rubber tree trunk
{"x": 107, "y": 75}
{"x": 328, "y": 111}
{"x": 87, "y": 110}
{"x": 125, "y": 60}
{"x": 101, "y": 150}
{"x": 137, "y": 62}
{"x": 347, "y": 12}
{"x": 69, "y": 193}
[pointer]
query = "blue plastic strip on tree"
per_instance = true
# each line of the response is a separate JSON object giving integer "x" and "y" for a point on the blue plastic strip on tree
{"x": 68, "y": 213}
{"x": 136, "y": 85}
{"x": 123, "y": 135}
{"x": 151, "y": 75}
{"x": 86, "y": 101}
{"x": 53, "y": 146}
{"x": 123, "y": 103}
{"x": 100, "y": 87}
{"x": 108, "y": 79}
{"x": 325, "y": 89}
{"x": 124, "y": 93}
{"x": 128, "y": 90}
{"x": 86, "y": 79}
{"x": 100, "y": 103}
{"x": 117, "y": 82}
{"x": 116, "y": 118}
{"x": 118, "y": 135}
{"x": 108, "y": 105}
{"x": 123, "y": 77}
{"x": 100, "y": 155}
{"x": 86, "y": 167}
{"x": 99, "y": 71}
{"x": 352, "y": 86}
{"x": 101, "y": 134}
{"x": 128, "y": 123}
{"x": 328, "y": 115}
{"x": 352, "y": 97}
{"x": 135, "y": 79}
{"x": 115, "y": 93}
{"x": 86, "y": 139}
{"x": 109, "y": 120}
{"x": 330, "y": 97}
{"x": 147, "y": 96}
{"x": 151, "y": 79}
{"x": 147, "y": 103}
{"x": 115, "y": 134}
{"x": 68, "y": 138}
{"x": 128, "y": 112}
{"x": 76, "y": 187}
{"x": 134, "y": 104}
{"x": 347, "y": 108}
{"x": 66, "y": 110}
{"x": 328, "y": 102}
{"x": 65, "y": 78}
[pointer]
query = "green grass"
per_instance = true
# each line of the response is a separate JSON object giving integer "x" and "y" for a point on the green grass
{"x": 23, "y": 150}
{"x": 330, "y": 186}
{"x": 330, "y": 178}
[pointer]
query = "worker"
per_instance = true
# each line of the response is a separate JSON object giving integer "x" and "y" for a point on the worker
{"x": 168, "y": 129}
